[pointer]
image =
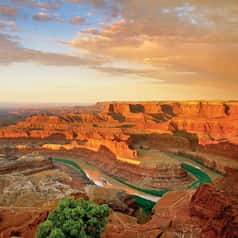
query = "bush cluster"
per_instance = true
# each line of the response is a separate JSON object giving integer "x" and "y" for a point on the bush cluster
{"x": 74, "y": 219}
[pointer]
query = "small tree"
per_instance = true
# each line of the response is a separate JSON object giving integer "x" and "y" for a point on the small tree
{"x": 73, "y": 219}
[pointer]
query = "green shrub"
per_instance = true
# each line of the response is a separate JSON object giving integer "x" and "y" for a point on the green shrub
{"x": 73, "y": 219}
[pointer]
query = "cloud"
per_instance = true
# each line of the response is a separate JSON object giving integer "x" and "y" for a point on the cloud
{"x": 90, "y": 31}
{"x": 97, "y": 3}
{"x": 50, "y": 5}
{"x": 8, "y": 26}
{"x": 77, "y": 20}
{"x": 46, "y": 17}
{"x": 12, "y": 52}
{"x": 173, "y": 36}
{"x": 24, "y": 2}
{"x": 7, "y": 11}
{"x": 182, "y": 40}
{"x": 45, "y": 5}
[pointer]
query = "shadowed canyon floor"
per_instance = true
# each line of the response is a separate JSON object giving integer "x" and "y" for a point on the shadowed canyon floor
{"x": 146, "y": 149}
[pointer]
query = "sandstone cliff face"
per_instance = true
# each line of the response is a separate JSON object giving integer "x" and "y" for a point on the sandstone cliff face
{"x": 210, "y": 109}
{"x": 213, "y": 123}
{"x": 213, "y": 126}
{"x": 217, "y": 205}
{"x": 71, "y": 127}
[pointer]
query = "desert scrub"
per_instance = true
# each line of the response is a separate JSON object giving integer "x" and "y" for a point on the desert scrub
{"x": 73, "y": 219}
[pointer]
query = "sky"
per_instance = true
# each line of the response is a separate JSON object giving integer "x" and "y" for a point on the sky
{"x": 77, "y": 51}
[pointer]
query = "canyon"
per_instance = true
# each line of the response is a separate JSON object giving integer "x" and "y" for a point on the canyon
{"x": 185, "y": 153}
{"x": 208, "y": 125}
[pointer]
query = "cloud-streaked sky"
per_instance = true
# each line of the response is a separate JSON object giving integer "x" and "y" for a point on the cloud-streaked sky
{"x": 97, "y": 50}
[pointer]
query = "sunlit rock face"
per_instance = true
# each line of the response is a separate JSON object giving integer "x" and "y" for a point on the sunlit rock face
{"x": 213, "y": 125}
{"x": 215, "y": 119}
{"x": 122, "y": 127}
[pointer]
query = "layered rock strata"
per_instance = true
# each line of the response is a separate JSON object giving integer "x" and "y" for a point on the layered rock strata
{"x": 207, "y": 126}
{"x": 26, "y": 167}
{"x": 159, "y": 177}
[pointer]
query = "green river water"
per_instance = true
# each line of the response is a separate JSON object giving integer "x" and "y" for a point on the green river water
{"x": 146, "y": 198}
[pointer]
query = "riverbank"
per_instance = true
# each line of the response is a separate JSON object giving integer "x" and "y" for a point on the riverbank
{"x": 101, "y": 179}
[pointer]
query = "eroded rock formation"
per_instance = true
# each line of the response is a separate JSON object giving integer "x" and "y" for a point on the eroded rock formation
{"x": 217, "y": 204}
{"x": 168, "y": 176}
{"x": 209, "y": 126}
{"x": 26, "y": 198}
{"x": 118, "y": 200}
{"x": 209, "y": 212}
{"x": 26, "y": 165}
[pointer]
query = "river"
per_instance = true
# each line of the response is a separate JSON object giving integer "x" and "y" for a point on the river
{"x": 103, "y": 180}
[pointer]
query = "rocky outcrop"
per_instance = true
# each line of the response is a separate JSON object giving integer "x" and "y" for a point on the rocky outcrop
{"x": 25, "y": 201}
{"x": 209, "y": 212}
{"x": 25, "y": 165}
{"x": 159, "y": 177}
{"x": 124, "y": 226}
{"x": 217, "y": 205}
{"x": 19, "y": 190}
{"x": 118, "y": 200}
{"x": 119, "y": 147}
{"x": 226, "y": 148}
{"x": 171, "y": 218}
{"x": 21, "y": 222}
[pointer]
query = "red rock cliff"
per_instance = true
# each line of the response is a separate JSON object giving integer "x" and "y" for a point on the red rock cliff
{"x": 213, "y": 126}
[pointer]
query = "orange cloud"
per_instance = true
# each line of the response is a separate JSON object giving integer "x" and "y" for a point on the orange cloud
{"x": 51, "y": 5}
{"x": 183, "y": 40}
{"x": 77, "y": 20}
{"x": 97, "y": 3}
{"x": 46, "y": 17}
{"x": 7, "y": 11}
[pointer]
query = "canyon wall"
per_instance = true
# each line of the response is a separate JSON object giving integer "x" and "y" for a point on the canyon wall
{"x": 211, "y": 127}
{"x": 213, "y": 124}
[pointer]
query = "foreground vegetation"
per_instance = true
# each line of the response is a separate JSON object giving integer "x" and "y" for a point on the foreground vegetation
{"x": 73, "y": 219}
